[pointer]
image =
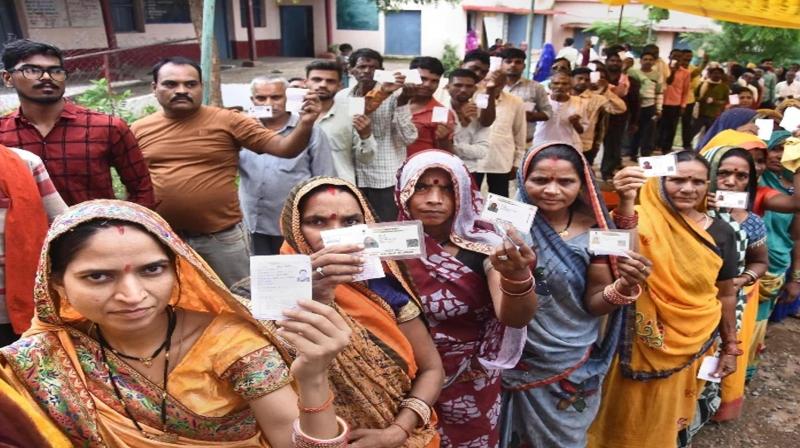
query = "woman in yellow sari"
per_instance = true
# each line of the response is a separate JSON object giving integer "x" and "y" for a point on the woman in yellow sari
{"x": 652, "y": 388}
{"x": 137, "y": 343}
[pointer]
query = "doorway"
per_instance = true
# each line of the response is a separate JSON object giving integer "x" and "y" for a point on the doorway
{"x": 297, "y": 31}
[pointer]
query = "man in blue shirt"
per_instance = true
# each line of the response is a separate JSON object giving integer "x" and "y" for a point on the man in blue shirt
{"x": 265, "y": 180}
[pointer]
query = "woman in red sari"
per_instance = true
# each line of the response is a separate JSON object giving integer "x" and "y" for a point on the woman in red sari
{"x": 477, "y": 293}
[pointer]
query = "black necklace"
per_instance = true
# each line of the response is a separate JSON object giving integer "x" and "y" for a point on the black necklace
{"x": 565, "y": 232}
{"x": 166, "y": 437}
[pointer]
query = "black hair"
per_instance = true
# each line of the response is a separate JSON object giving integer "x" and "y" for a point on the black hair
{"x": 688, "y": 155}
{"x": 345, "y": 47}
{"x": 176, "y": 60}
{"x": 560, "y": 151}
{"x": 324, "y": 65}
{"x": 687, "y": 50}
{"x": 750, "y": 70}
{"x": 568, "y": 42}
{"x": 476, "y": 55}
{"x": 295, "y": 78}
{"x": 581, "y": 71}
{"x": 737, "y": 89}
{"x": 65, "y": 247}
{"x": 767, "y": 60}
{"x": 365, "y": 53}
{"x": 650, "y": 52}
{"x": 716, "y": 69}
{"x": 302, "y": 203}
{"x": 737, "y": 70}
{"x": 21, "y": 49}
{"x": 512, "y": 53}
{"x": 650, "y": 47}
{"x": 560, "y": 73}
{"x": 428, "y": 63}
{"x": 463, "y": 73}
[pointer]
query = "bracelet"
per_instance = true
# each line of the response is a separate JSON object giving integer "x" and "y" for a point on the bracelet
{"x": 795, "y": 276}
{"x": 752, "y": 275}
{"x": 419, "y": 407}
{"x": 323, "y": 407}
{"x": 518, "y": 294}
{"x": 408, "y": 433}
{"x": 303, "y": 440}
{"x": 517, "y": 282}
{"x": 612, "y": 295}
{"x": 625, "y": 222}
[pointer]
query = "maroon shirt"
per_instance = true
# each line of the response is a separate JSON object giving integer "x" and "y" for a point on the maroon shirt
{"x": 80, "y": 151}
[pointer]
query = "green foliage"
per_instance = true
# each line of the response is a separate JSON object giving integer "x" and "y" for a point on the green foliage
{"x": 450, "y": 58}
{"x": 656, "y": 14}
{"x": 633, "y": 33}
{"x": 748, "y": 43}
{"x": 100, "y": 98}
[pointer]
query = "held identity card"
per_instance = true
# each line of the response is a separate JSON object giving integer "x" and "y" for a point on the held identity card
{"x": 294, "y": 99}
{"x": 482, "y": 100}
{"x": 610, "y": 242}
{"x": 592, "y": 66}
{"x": 658, "y": 166}
{"x": 356, "y": 105}
{"x": 494, "y": 63}
{"x": 390, "y": 240}
{"x": 732, "y": 199}
{"x": 594, "y": 77}
{"x": 383, "y": 76}
{"x": 354, "y": 235}
{"x": 707, "y": 368}
{"x": 412, "y": 76}
{"x": 765, "y": 127}
{"x": 439, "y": 115}
{"x": 791, "y": 119}
{"x": 733, "y": 99}
{"x": 501, "y": 210}
{"x": 260, "y": 111}
{"x": 277, "y": 282}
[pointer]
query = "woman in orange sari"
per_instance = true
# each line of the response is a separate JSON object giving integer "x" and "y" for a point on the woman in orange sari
{"x": 137, "y": 343}
{"x": 652, "y": 388}
{"x": 390, "y": 374}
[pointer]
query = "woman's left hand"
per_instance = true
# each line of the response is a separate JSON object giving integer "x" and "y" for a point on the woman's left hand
{"x": 513, "y": 259}
{"x": 634, "y": 270}
{"x": 318, "y": 333}
{"x": 726, "y": 366}
{"x": 390, "y": 437}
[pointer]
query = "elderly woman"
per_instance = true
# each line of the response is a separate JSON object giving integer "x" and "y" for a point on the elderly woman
{"x": 136, "y": 343}
{"x": 473, "y": 285}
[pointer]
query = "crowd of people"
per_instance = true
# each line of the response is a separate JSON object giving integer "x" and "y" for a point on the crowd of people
{"x": 127, "y": 323}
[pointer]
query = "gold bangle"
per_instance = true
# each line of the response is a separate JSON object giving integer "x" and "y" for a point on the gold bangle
{"x": 316, "y": 410}
{"x": 419, "y": 407}
{"x": 517, "y": 294}
{"x": 517, "y": 282}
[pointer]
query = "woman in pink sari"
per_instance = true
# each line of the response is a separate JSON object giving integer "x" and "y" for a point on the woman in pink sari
{"x": 476, "y": 288}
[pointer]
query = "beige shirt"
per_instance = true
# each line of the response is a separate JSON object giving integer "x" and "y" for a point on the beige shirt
{"x": 589, "y": 105}
{"x": 194, "y": 162}
{"x": 506, "y": 137}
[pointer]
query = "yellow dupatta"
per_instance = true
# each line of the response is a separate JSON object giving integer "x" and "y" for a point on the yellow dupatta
{"x": 48, "y": 365}
{"x": 730, "y": 137}
{"x": 675, "y": 319}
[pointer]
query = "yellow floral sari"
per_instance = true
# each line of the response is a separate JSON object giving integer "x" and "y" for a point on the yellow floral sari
{"x": 667, "y": 332}
{"x": 59, "y": 367}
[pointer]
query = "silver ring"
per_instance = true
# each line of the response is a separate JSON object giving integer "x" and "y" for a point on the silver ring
{"x": 320, "y": 271}
{"x": 502, "y": 257}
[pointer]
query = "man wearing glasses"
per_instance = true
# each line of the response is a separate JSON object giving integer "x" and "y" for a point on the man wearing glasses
{"x": 78, "y": 146}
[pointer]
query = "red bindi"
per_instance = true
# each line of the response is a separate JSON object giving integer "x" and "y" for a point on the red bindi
{"x": 127, "y": 268}
{"x": 436, "y": 181}
{"x": 121, "y": 230}
{"x": 332, "y": 190}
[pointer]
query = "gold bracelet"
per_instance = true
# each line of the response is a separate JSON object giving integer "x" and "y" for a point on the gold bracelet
{"x": 419, "y": 407}
{"x": 517, "y": 282}
{"x": 518, "y": 294}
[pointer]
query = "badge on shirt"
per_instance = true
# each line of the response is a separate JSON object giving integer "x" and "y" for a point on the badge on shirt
{"x": 501, "y": 210}
{"x": 610, "y": 242}
{"x": 732, "y": 199}
{"x": 439, "y": 115}
{"x": 659, "y": 166}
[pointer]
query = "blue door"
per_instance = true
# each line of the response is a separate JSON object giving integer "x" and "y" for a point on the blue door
{"x": 403, "y": 33}
{"x": 297, "y": 31}
{"x": 517, "y": 29}
{"x": 221, "y": 30}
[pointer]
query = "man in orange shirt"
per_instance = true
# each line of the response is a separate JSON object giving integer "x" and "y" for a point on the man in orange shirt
{"x": 430, "y": 134}
{"x": 192, "y": 152}
{"x": 676, "y": 96}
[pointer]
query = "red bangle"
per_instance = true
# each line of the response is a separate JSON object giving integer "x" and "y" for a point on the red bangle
{"x": 323, "y": 407}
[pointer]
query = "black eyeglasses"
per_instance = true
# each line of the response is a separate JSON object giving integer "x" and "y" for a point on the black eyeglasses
{"x": 35, "y": 72}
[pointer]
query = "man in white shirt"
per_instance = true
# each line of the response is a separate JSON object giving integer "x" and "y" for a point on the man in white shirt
{"x": 569, "y": 52}
{"x": 471, "y": 139}
{"x": 566, "y": 124}
{"x": 788, "y": 89}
